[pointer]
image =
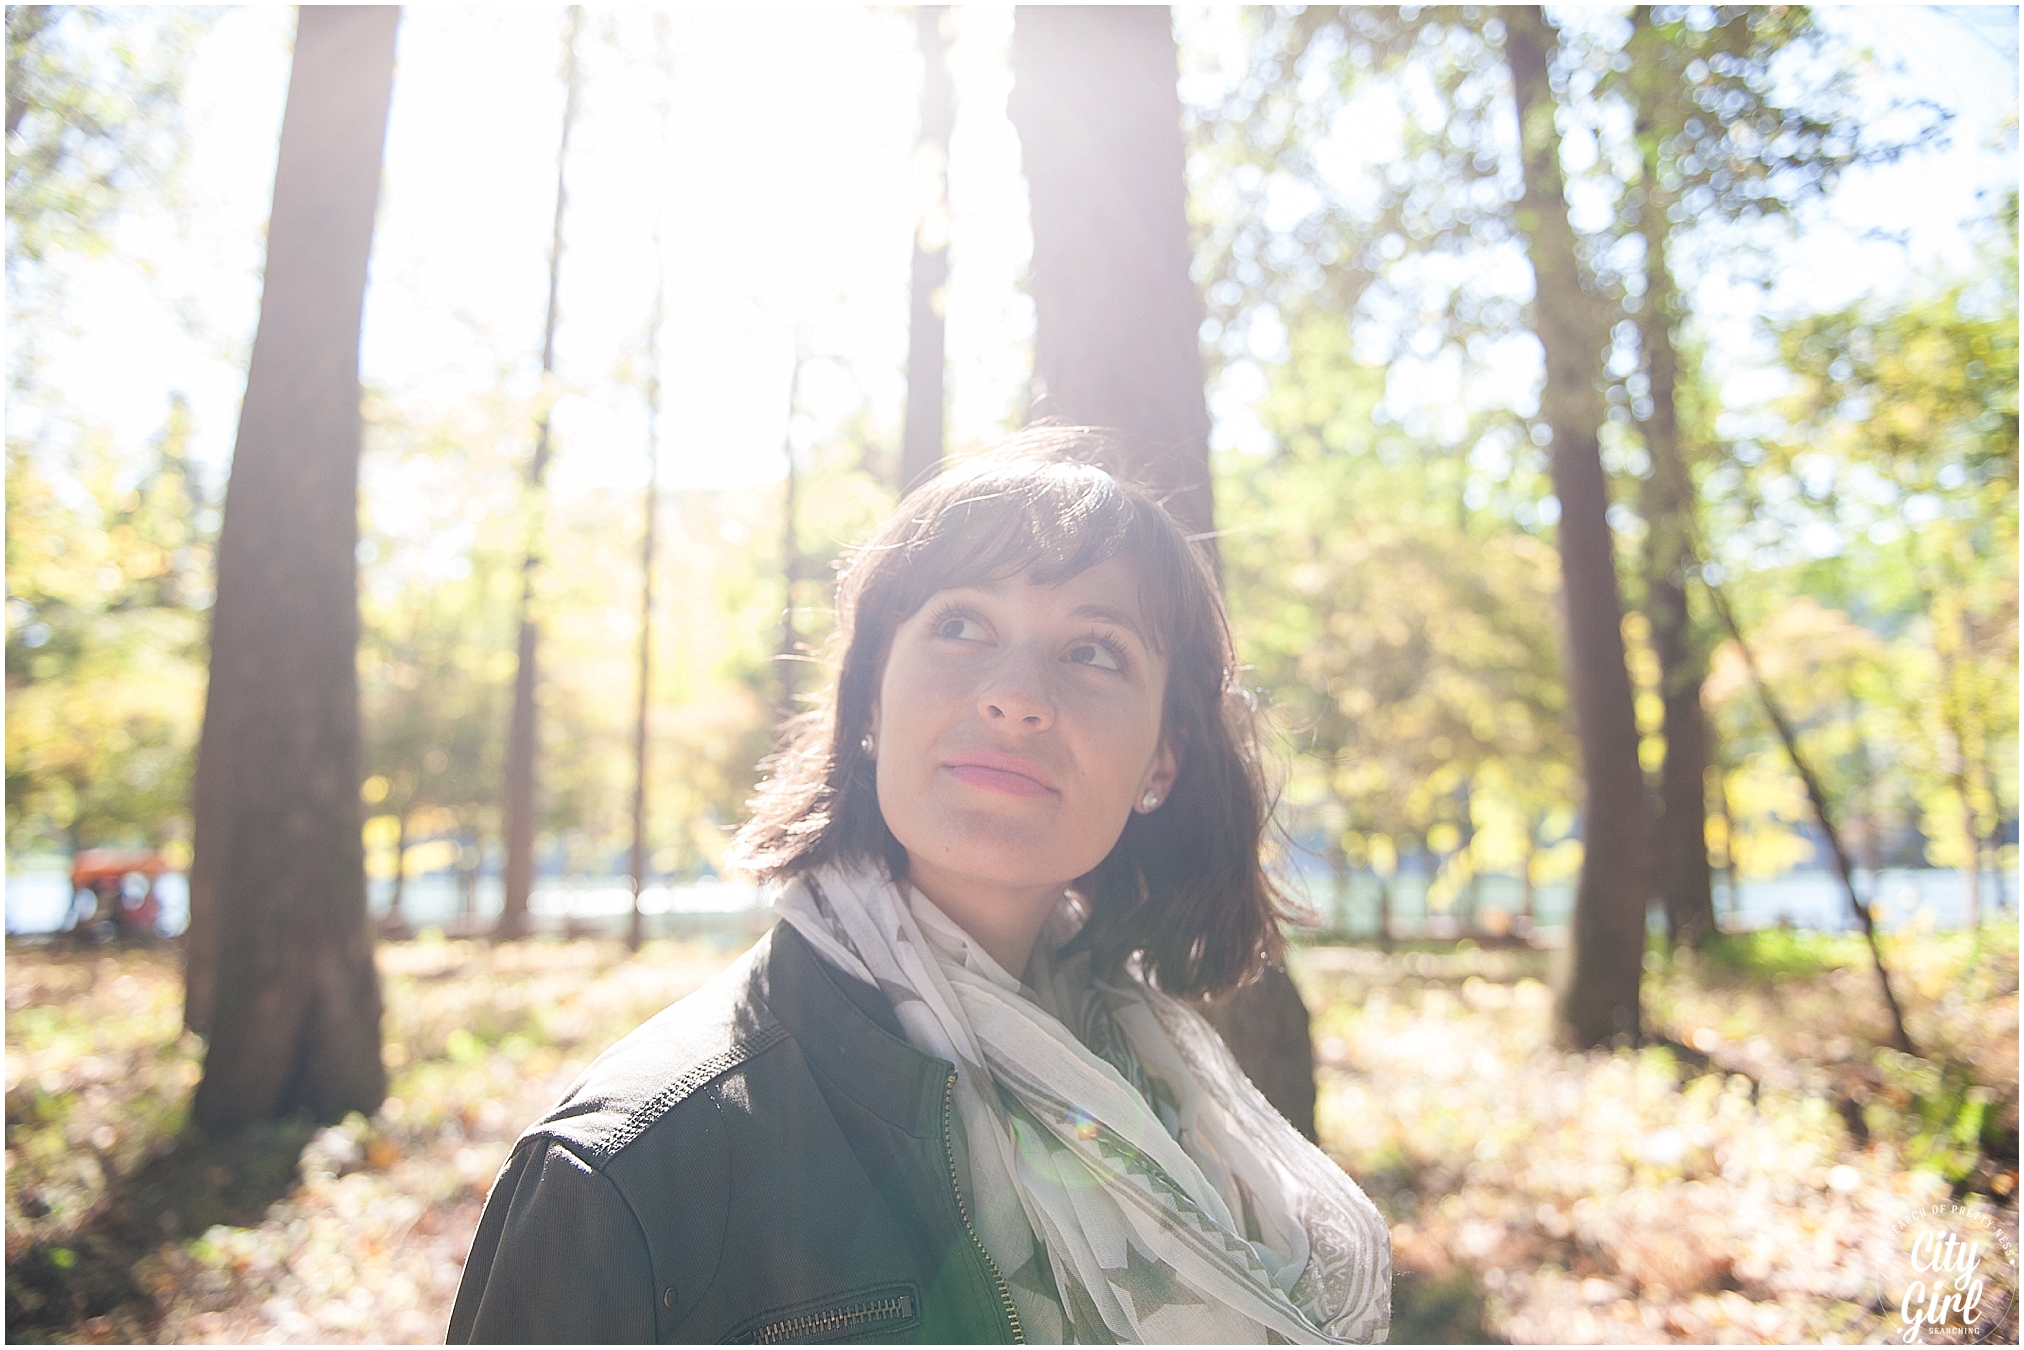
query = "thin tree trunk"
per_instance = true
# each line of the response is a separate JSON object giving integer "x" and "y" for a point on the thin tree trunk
{"x": 1730, "y": 871}
{"x": 1685, "y": 882}
{"x": 395, "y": 924}
{"x": 1992, "y": 842}
{"x": 790, "y": 549}
{"x": 1953, "y": 650}
{"x": 921, "y": 447}
{"x": 1822, "y": 814}
{"x": 635, "y": 927}
{"x": 280, "y": 967}
{"x": 1615, "y": 886}
{"x": 1338, "y": 878}
{"x": 1384, "y": 910}
{"x": 1971, "y": 870}
{"x": 523, "y": 733}
{"x": 1097, "y": 106}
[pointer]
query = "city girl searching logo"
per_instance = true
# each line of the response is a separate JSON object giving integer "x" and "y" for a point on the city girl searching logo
{"x": 1947, "y": 1276}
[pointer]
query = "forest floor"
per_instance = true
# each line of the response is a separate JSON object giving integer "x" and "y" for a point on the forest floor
{"x": 1727, "y": 1187}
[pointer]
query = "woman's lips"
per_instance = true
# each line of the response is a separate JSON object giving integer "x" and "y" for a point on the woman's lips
{"x": 1001, "y": 773}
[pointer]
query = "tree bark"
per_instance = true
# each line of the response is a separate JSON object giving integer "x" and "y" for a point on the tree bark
{"x": 636, "y": 922}
{"x": 1614, "y": 889}
{"x": 1118, "y": 318}
{"x": 280, "y": 962}
{"x": 1266, "y": 1026}
{"x": 523, "y": 733}
{"x": 1098, "y": 112}
{"x": 1685, "y": 882}
{"x": 921, "y": 446}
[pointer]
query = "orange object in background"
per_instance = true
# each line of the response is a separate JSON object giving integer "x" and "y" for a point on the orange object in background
{"x": 122, "y": 883}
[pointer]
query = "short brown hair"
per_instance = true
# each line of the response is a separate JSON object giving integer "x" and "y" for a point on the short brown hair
{"x": 1184, "y": 886}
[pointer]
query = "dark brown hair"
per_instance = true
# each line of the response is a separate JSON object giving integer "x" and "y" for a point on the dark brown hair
{"x": 1183, "y": 885}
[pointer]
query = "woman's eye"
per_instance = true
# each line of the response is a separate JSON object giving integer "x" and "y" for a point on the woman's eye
{"x": 959, "y": 628}
{"x": 1094, "y": 654}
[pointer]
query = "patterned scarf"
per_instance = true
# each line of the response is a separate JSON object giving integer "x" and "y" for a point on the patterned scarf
{"x": 1126, "y": 1175}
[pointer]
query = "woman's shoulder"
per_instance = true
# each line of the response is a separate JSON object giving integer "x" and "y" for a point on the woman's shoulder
{"x": 779, "y": 997}
{"x": 668, "y": 1059}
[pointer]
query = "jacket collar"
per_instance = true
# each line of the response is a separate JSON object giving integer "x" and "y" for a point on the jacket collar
{"x": 849, "y": 1034}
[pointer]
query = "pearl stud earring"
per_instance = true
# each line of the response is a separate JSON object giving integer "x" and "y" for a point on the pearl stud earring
{"x": 1149, "y": 802}
{"x": 869, "y": 747}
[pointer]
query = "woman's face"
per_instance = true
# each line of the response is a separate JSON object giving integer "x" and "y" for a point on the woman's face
{"x": 1017, "y": 727}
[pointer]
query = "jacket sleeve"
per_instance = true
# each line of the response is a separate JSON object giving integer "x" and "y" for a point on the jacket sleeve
{"x": 559, "y": 1257}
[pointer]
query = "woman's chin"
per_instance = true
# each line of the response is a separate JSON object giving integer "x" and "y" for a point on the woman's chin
{"x": 1000, "y": 855}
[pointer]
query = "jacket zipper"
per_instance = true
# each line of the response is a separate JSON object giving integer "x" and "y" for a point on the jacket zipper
{"x": 949, "y": 1148}
{"x": 833, "y": 1321}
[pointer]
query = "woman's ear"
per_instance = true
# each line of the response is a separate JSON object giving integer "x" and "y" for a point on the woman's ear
{"x": 1160, "y": 775}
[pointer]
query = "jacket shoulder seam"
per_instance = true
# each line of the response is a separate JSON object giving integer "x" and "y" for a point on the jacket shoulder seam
{"x": 608, "y": 1145}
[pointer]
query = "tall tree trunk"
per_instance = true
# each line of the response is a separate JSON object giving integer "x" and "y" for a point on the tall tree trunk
{"x": 1614, "y": 889}
{"x": 523, "y": 733}
{"x": 1685, "y": 883}
{"x": 1098, "y": 110}
{"x": 636, "y": 925}
{"x": 790, "y": 547}
{"x": 280, "y": 963}
{"x": 921, "y": 446}
{"x": 1118, "y": 318}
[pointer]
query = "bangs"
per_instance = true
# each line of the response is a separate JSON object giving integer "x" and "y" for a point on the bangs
{"x": 1045, "y": 521}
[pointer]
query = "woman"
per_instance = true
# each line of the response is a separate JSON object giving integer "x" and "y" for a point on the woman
{"x": 957, "y": 1095}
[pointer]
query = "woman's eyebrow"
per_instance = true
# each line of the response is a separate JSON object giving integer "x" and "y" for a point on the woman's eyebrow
{"x": 1109, "y": 615}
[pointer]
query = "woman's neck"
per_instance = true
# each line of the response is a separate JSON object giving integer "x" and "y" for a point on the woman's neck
{"x": 1004, "y": 921}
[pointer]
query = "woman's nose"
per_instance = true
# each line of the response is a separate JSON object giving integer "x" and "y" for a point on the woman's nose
{"x": 1017, "y": 692}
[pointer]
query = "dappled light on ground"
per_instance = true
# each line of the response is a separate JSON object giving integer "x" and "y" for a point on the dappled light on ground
{"x": 120, "y": 1230}
{"x": 1728, "y": 1187}
{"x": 1733, "y": 1190}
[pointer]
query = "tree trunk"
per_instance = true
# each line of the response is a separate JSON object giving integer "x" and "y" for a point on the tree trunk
{"x": 522, "y": 731}
{"x": 1098, "y": 112}
{"x": 1263, "y": 1023}
{"x": 921, "y": 447}
{"x": 790, "y": 548}
{"x": 1730, "y": 871}
{"x": 636, "y": 924}
{"x": 1384, "y": 911}
{"x": 280, "y": 964}
{"x": 1614, "y": 889}
{"x": 1117, "y": 314}
{"x": 395, "y": 923}
{"x": 1684, "y": 881}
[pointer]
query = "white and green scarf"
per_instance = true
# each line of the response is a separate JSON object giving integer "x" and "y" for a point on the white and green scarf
{"x": 1125, "y": 1174}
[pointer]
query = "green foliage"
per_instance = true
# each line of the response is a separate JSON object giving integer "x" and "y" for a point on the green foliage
{"x": 108, "y": 584}
{"x": 1876, "y": 537}
{"x": 92, "y": 99}
{"x": 447, "y": 522}
{"x": 1773, "y": 953}
{"x": 1404, "y": 642}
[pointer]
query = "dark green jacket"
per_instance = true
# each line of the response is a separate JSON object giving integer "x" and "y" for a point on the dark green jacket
{"x": 766, "y": 1160}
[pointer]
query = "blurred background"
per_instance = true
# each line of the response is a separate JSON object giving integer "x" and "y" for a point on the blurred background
{"x": 683, "y": 251}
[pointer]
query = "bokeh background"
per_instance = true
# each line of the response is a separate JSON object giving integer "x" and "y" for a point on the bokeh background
{"x": 1813, "y": 213}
